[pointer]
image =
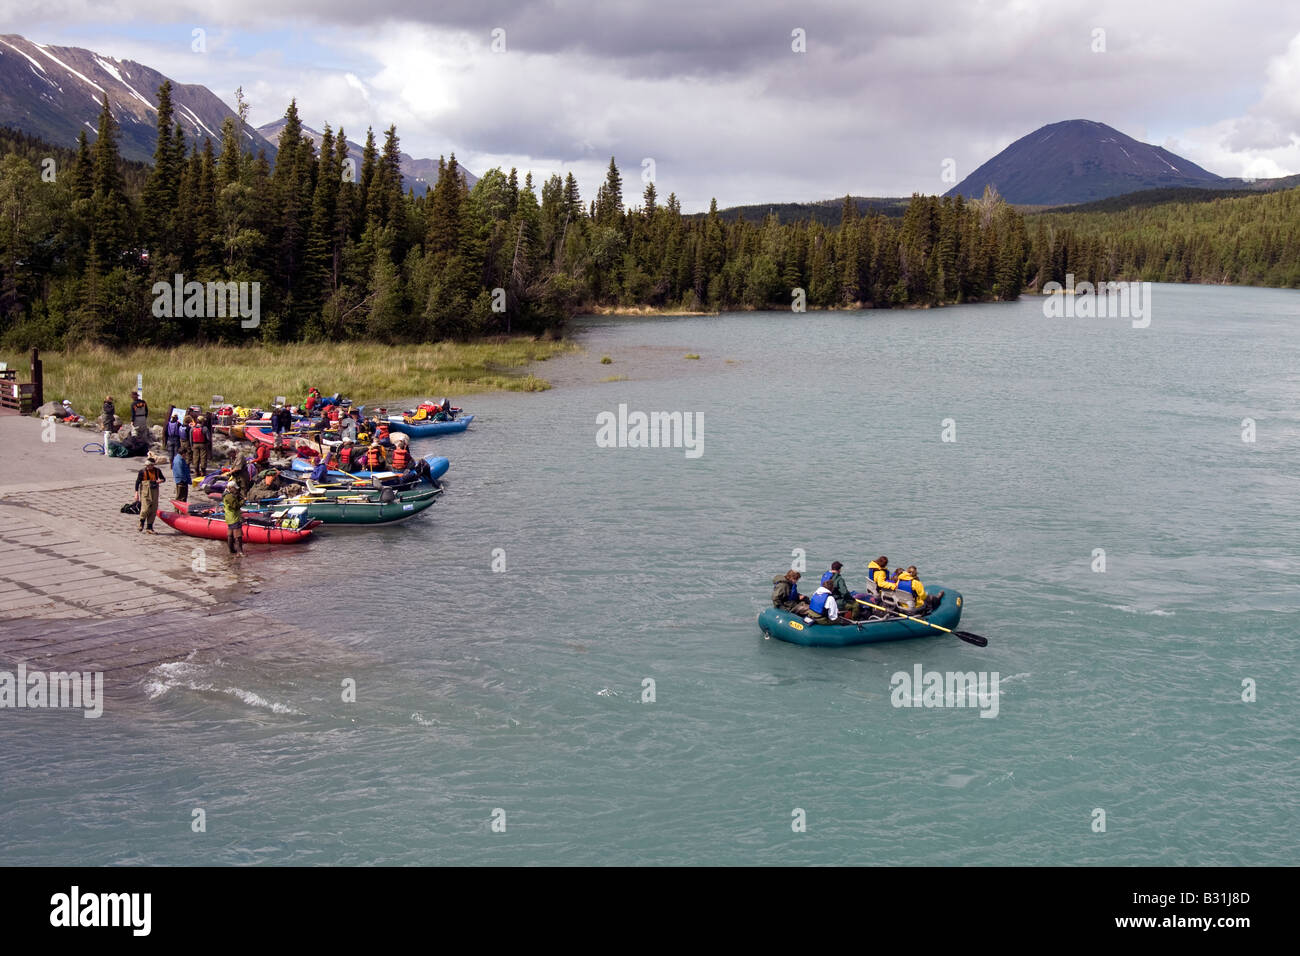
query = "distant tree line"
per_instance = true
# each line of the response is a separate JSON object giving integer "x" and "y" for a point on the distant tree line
{"x": 344, "y": 253}
{"x": 1245, "y": 239}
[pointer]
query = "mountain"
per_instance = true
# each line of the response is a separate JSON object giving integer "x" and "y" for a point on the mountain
{"x": 1082, "y": 161}
{"x": 417, "y": 174}
{"x": 825, "y": 211}
{"x": 54, "y": 92}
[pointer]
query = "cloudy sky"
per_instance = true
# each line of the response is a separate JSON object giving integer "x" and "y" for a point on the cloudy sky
{"x": 716, "y": 93}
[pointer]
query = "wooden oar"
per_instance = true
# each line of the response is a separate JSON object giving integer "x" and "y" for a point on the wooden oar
{"x": 966, "y": 636}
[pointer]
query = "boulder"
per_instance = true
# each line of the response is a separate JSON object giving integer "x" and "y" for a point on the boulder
{"x": 50, "y": 408}
{"x": 157, "y": 433}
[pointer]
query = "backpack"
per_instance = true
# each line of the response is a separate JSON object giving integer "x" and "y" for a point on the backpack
{"x": 196, "y": 435}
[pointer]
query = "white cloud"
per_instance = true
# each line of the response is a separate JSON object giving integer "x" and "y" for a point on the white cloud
{"x": 883, "y": 96}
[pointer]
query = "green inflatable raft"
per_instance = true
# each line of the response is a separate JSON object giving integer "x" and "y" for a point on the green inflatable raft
{"x": 785, "y": 626}
{"x": 352, "y": 509}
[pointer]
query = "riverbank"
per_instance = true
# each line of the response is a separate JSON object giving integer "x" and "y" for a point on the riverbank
{"x": 257, "y": 374}
{"x": 82, "y": 589}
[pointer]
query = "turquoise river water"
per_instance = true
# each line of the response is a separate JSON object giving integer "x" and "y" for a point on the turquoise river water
{"x": 518, "y": 696}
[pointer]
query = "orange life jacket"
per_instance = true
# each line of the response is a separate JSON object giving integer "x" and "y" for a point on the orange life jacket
{"x": 375, "y": 458}
{"x": 401, "y": 458}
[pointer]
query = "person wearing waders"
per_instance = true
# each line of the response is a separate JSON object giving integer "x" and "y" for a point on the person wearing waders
{"x": 146, "y": 492}
{"x": 230, "y": 501}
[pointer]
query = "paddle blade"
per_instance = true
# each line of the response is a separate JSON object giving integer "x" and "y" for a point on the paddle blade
{"x": 970, "y": 638}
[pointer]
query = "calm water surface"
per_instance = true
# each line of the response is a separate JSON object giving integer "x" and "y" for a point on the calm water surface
{"x": 522, "y": 690}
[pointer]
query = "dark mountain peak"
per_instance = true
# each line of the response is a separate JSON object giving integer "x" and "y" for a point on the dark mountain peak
{"x": 1080, "y": 160}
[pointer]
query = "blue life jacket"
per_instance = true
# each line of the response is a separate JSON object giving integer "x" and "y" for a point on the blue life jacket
{"x": 905, "y": 585}
{"x": 818, "y": 603}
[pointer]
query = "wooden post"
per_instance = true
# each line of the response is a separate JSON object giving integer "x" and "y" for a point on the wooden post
{"x": 38, "y": 379}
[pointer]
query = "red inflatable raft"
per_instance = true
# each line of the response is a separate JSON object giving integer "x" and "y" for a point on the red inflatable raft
{"x": 202, "y": 526}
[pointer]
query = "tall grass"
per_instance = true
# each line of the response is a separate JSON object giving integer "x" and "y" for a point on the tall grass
{"x": 254, "y": 375}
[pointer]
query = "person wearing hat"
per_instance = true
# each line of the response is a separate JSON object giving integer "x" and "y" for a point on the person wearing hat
{"x": 147, "y": 481}
{"x": 843, "y": 596}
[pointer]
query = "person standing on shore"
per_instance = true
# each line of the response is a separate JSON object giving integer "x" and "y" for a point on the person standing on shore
{"x": 146, "y": 492}
{"x": 187, "y": 424}
{"x": 110, "y": 414}
{"x": 230, "y": 502}
{"x": 140, "y": 416}
{"x": 201, "y": 443}
{"x": 172, "y": 435}
{"x": 181, "y": 475}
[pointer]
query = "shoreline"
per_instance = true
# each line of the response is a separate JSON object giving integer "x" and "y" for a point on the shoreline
{"x": 82, "y": 589}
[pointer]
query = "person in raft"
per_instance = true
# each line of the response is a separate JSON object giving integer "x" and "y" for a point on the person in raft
{"x": 878, "y": 583}
{"x": 230, "y": 502}
{"x": 181, "y": 475}
{"x": 322, "y": 470}
{"x": 910, "y": 592}
{"x": 375, "y": 458}
{"x": 349, "y": 456}
{"x": 785, "y": 593}
{"x": 401, "y": 460}
{"x": 822, "y": 606}
{"x": 147, "y": 481}
{"x": 839, "y": 588}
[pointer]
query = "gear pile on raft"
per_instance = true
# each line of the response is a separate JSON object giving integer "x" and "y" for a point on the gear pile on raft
{"x": 893, "y": 606}
{"x": 291, "y": 468}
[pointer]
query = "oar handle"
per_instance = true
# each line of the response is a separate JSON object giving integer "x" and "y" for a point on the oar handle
{"x": 907, "y": 616}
